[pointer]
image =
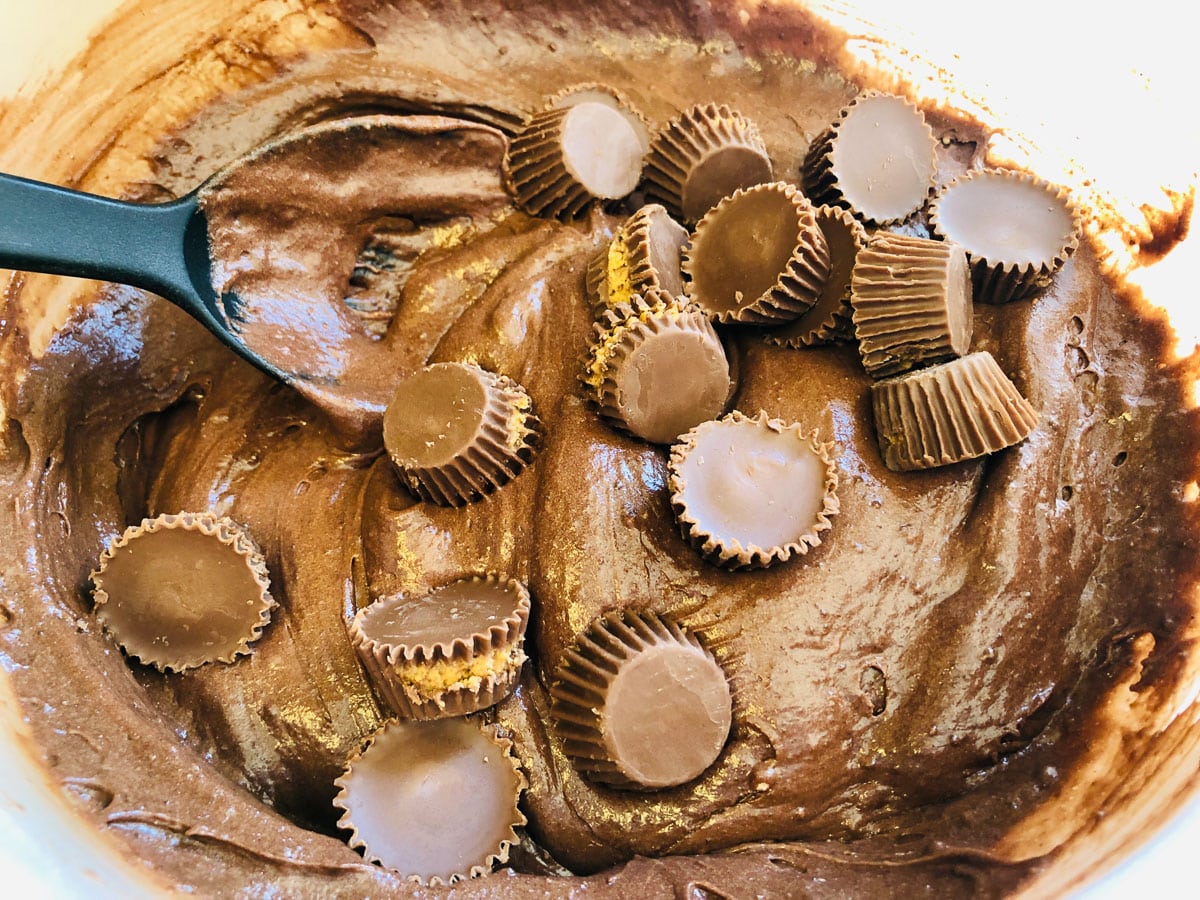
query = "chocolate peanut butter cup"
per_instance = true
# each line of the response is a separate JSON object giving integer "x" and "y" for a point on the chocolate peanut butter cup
{"x": 606, "y": 95}
{"x": 644, "y": 255}
{"x": 945, "y": 414}
{"x": 657, "y": 367}
{"x": 912, "y": 303}
{"x": 574, "y": 152}
{"x": 705, "y": 154}
{"x": 178, "y": 591}
{"x": 830, "y": 318}
{"x": 456, "y": 432}
{"x": 640, "y": 704}
{"x": 758, "y": 257}
{"x": 435, "y": 801}
{"x": 878, "y": 159}
{"x": 453, "y": 651}
{"x": 1017, "y": 229}
{"x": 752, "y": 492}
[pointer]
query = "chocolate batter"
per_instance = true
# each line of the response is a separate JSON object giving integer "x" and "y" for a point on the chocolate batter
{"x": 975, "y": 675}
{"x": 286, "y": 226}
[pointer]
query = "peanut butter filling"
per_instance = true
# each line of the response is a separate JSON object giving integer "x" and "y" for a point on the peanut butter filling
{"x": 435, "y": 678}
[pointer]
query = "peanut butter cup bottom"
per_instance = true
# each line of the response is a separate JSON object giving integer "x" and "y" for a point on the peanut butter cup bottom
{"x": 569, "y": 156}
{"x": 605, "y": 95}
{"x": 434, "y": 801}
{"x": 640, "y": 704}
{"x": 1017, "y": 229}
{"x": 878, "y": 159}
{"x": 602, "y": 149}
{"x": 752, "y": 492}
{"x": 179, "y": 591}
{"x": 453, "y": 651}
{"x": 669, "y": 381}
{"x": 758, "y": 257}
{"x": 657, "y": 368}
{"x": 456, "y": 432}
{"x": 707, "y": 153}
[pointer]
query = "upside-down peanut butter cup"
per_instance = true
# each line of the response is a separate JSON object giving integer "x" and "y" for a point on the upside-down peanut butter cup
{"x": 911, "y": 298}
{"x": 450, "y": 652}
{"x": 831, "y": 318}
{"x": 752, "y": 492}
{"x": 705, "y": 154}
{"x": 758, "y": 257}
{"x": 574, "y": 152}
{"x": 640, "y": 704}
{"x": 644, "y": 255}
{"x": 657, "y": 368}
{"x": 606, "y": 95}
{"x": 456, "y": 432}
{"x": 178, "y": 591}
{"x": 434, "y": 801}
{"x": 1017, "y": 229}
{"x": 948, "y": 413}
{"x": 878, "y": 159}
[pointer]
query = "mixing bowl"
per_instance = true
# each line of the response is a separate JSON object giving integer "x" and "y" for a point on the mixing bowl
{"x": 1057, "y": 119}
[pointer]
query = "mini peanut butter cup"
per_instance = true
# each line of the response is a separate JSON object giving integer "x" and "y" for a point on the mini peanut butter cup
{"x": 574, "y": 152}
{"x": 657, "y": 367}
{"x": 434, "y": 801}
{"x": 640, "y": 704}
{"x": 456, "y": 432}
{"x": 595, "y": 92}
{"x": 758, "y": 257}
{"x": 705, "y": 154}
{"x": 912, "y": 303}
{"x": 178, "y": 591}
{"x": 750, "y": 493}
{"x": 878, "y": 159}
{"x": 453, "y": 651}
{"x": 945, "y": 414}
{"x": 644, "y": 255}
{"x": 830, "y": 319}
{"x": 1017, "y": 229}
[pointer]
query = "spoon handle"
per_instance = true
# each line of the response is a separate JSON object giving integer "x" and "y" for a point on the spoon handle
{"x": 46, "y": 228}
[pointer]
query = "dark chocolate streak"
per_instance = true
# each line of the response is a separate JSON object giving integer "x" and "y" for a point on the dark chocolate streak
{"x": 937, "y": 697}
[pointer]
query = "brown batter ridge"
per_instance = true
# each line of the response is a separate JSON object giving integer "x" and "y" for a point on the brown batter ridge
{"x": 933, "y": 698}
